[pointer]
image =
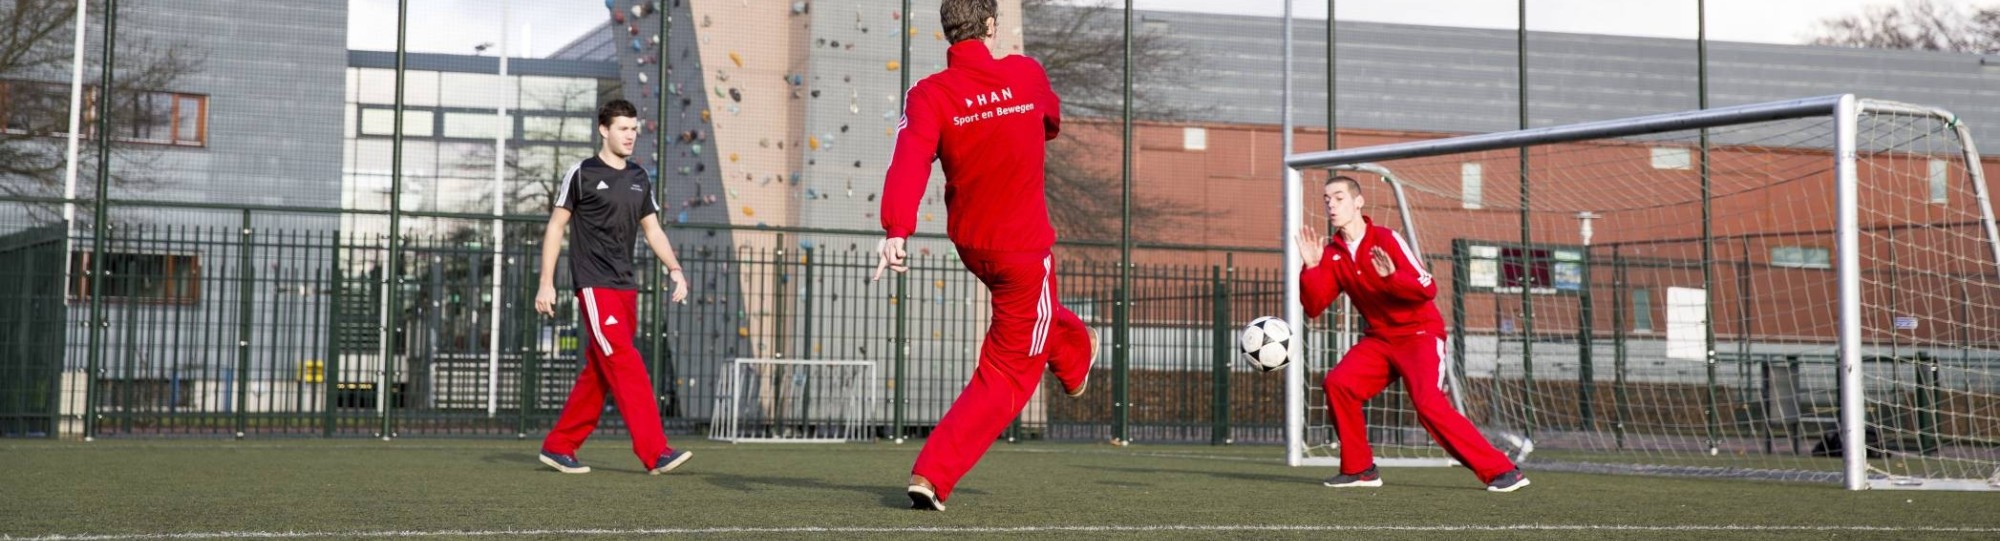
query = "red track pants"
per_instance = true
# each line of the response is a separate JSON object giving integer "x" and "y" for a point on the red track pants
{"x": 1030, "y": 331}
{"x": 611, "y": 365}
{"x": 1369, "y": 366}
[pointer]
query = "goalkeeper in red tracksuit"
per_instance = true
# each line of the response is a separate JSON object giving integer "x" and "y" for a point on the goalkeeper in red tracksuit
{"x": 1385, "y": 279}
{"x": 987, "y": 120}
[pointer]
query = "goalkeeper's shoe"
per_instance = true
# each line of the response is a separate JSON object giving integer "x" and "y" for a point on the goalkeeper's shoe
{"x": 1367, "y": 478}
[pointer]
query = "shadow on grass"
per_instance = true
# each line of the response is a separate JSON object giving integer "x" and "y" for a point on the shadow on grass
{"x": 888, "y": 494}
{"x": 1303, "y": 478}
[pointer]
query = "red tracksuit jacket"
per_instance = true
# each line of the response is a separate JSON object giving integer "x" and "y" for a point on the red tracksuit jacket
{"x": 987, "y": 120}
{"x": 1395, "y": 306}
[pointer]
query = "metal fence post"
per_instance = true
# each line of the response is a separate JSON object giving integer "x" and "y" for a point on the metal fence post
{"x": 1219, "y": 432}
{"x": 330, "y": 368}
{"x": 901, "y": 353}
{"x": 245, "y": 274}
{"x": 99, "y": 224}
{"x": 392, "y": 267}
{"x": 1620, "y": 290}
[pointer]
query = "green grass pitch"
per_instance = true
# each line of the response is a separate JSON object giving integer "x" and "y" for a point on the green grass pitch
{"x": 484, "y": 489}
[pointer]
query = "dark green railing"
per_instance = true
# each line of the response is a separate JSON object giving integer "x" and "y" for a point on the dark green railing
{"x": 267, "y": 321}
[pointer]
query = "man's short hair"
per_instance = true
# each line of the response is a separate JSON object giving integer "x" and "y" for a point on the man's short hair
{"x": 1353, "y": 186}
{"x": 966, "y": 19}
{"x": 614, "y": 109}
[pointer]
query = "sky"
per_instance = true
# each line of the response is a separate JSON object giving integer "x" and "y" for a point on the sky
{"x": 539, "y": 27}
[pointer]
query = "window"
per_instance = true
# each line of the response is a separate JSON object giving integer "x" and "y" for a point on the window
{"x": 150, "y": 119}
{"x": 1520, "y": 267}
{"x": 383, "y": 122}
{"x": 1801, "y": 257}
{"x": 35, "y": 108}
{"x": 559, "y": 94}
{"x": 1672, "y": 158}
{"x": 473, "y": 90}
{"x": 1471, "y": 182}
{"x": 1642, "y": 310}
{"x": 190, "y": 119}
{"x": 1940, "y": 175}
{"x": 473, "y": 125}
{"x": 1194, "y": 138}
{"x": 557, "y": 128}
{"x": 166, "y": 118}
{"x": 133, "y": 277}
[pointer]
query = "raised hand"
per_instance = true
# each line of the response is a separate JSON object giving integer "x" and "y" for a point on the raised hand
{"x": 1312, "y": 246}
{"x": 1383, "y": 265}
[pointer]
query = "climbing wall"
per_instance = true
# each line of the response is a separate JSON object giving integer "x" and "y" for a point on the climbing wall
{"x": 782, "y": 114}
{"x": 854, "y": 104}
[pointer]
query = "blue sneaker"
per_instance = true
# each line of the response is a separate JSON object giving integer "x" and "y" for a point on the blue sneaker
{"x": 564, "y": 463}
{"x": 669, "y": 461}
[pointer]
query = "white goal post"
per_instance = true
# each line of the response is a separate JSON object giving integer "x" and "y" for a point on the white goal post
{"x": 794, "y": 401}
{"x": 1909, "y": 335}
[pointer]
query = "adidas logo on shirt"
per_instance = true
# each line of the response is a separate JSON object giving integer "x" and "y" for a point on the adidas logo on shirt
{"x": 601, "y": 185}
{"x": 613, "y": 320}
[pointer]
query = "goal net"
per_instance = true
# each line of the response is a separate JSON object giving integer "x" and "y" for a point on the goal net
{"x": 1802, "y": 290}
{"x": 779, "y": 400}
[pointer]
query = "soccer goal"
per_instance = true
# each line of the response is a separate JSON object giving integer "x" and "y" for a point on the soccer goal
{"x": 1803, "y": 290}
{"x": 794, "y": 401}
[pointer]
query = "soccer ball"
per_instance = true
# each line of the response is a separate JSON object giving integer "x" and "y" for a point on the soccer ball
{"x": 1267, "y": 343}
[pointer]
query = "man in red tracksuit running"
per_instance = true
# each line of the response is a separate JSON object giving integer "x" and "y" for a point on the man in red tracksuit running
{"x": 987, "y": 120}
{"x": 1405, "y": 337}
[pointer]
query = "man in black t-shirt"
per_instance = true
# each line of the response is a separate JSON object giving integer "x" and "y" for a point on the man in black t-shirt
{"x": 611, "y": 200}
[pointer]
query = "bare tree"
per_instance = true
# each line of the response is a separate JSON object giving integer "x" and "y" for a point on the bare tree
{"x": 1922, "y": 25}
{"x": 35, "y": 41}
{"x": 1082, "y": 46}
{"x": 534, "y": 170}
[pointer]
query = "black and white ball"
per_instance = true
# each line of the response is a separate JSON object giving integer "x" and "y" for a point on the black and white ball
{"x": 1267, "y": 343}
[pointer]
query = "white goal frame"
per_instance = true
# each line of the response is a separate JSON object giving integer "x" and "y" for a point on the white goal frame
{"x": 1845, "y": 110}
{"x": 726, "y": 422}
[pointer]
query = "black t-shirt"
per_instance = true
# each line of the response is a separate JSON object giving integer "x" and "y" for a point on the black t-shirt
{"x": 606, "y": 205}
